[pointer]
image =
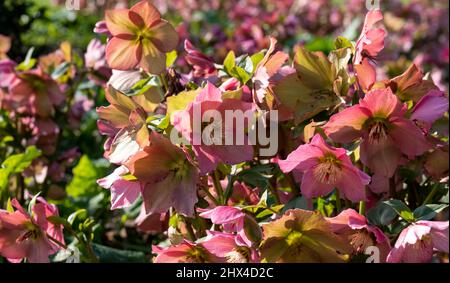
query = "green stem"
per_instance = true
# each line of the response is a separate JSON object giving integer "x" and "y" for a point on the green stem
{"x": 362, "y": 207}
{"x": 432, "y": 193}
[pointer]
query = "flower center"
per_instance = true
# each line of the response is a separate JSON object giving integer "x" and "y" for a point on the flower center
{"x": 238, "y": 255}
{"x": 328, "y": 171}
{"x": 31, "y": 233}
{"x": 378, "y": 130}
{"x": 196, "y": 255}
{"x": 361, "y": 240}
{"x": 180, "y": 168}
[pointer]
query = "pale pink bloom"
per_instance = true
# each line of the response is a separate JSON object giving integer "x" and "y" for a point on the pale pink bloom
{"x": 7, "y": 72}
{"x": 186, "y": 252}
{"x": 32, "y": 237}
{"x": 123, "y": 192}
{"x": 37, "y": 92}
{"x": 95, "y": 60}
{"x": 123, "y": 81}
{"x": 209, "y": 156}
{"x": 139, "y": 38}
{"x": 417, "y": 242}
{"x": 232, "y": 248}
{"x": 102, "y": 28}
{"x": 360, "y": 234}
{"x": 168, "y": 176}
{"x": 232, "y": 220}
{"x": 325, "y": 168}
{"x": 387, "y": 134}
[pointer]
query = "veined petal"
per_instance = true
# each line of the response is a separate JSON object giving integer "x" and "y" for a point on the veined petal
{"x": 152, "y": 60}
{"x": 147, "y": 12}
{"x": 303, "y": 158}
{"x": 311, "y": 187}
{"x": 164, "y": 36}
{"x": 408, "y": 137}
{"x": 123, "y": 54}
{"x": 382, "y": 103}
{"x": 346, "y": 125}
{"x": 119, "y": 22}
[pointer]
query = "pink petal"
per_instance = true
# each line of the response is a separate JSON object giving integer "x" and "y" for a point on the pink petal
{"x": 124, "y": 193}
{"x": 382, "y": 157}
{"x": 147, "y": 12}
{"x": 366, "y": 74}
{"x": 119, "y": 22}
{"x": 430, "y": 107}
{"x": 164, "y": 36}
{"x": 223, "y": 214}
{"x": 123, "y": 54}
{"x": 408, "y": 137}
{"x": 382, "y": 103}
{"x": 301, "y": 159}
{"x": 353, "y": 183}
{"x": 311, "y": 188}
{"x": 346, "y": 126}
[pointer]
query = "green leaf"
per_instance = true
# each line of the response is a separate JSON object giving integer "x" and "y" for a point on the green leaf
{"x": 428, "y": 211}
{"x": 33, "y": 202}
{"x": 240, "y": 74}
{"x": 229, "y": 62}
{"x": 381, "y": 215}
{"x": 171, "y": 57}
{"x": 256, "y": 58}
{"x": 80, "y": 213}
{"x": 401, "y": 208}
{"x": 111, "y": 255}
{"x": 9, "y": 206}
{"x": 59, "y": 221}
{"x": 298, "y": 202}
{"x": 84, "y": 182}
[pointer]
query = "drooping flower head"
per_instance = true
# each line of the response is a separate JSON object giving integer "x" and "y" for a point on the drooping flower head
{"x": 417, "y": 242}
{"x": 168, "y": 175}
{"x": 325, "y": 168}
{"x": 139, "y": 38}
{"x": 186, "y": 252}
{"x": 230, "y": 247}
{"x": 29, "y": 236}
{"x": 354, "y": 227}
{"x": 211, "y": 150}
{"x": 387, "y": 134}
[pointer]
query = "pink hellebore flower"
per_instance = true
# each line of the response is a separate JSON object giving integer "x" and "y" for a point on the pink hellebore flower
{"x": 360, "y": 234}
{"x": 168, "y": 175}
{"x": 186, "y": 252}
{"x": 417, "y": 241}
{"x": 325, "y": 168}
{"x": 230, "y": 247}
{"x": 380, "y": 119}
{"x": 95, "y": 60}
{"x": 139, "y": 38}
{"x": 193, "y": 129}
{"x": 37, "y": 92}
{"x": 32, "y": 237}
{"x": 234, "y": 219}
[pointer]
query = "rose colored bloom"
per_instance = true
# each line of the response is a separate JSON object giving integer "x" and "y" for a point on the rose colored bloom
{"x": 139, "y": 38}
{"x": 380, "y": 120}
{"x": 325, "y": 168}
{"x": 354, "y": 227}
{"x": 24, "y": 236}
{"x": 186, "y": 252}
{"x": 202, "y": 64}
{"x": 124, "y": 122}
{"x": 209, "y": 156}
{"x": 37, "y": 92}
{"x": 168, "y": 175}
{"x": 230, "y": 247}
{"x": 417, "y": 241}
{"x": 123, "y": 192}
{"x": 234, "y": 219}
{"x": 45, "y": 134}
